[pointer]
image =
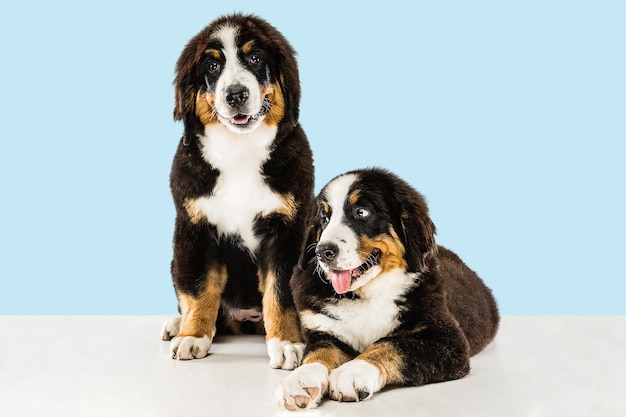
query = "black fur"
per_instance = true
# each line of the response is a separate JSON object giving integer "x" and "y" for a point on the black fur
{"x": 446, "y": 315}
{"x": 198, "y": 249}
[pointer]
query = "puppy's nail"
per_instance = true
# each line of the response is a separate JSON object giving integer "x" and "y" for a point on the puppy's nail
{"x": 301, "y": 400}
{"x": 362, "y": 394}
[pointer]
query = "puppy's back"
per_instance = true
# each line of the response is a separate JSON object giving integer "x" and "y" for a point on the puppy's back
{"x": 469, "y": 300}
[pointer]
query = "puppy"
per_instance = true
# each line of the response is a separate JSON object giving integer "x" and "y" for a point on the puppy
{"x": 380, "y": 303}
{"x": 242, "y": 182}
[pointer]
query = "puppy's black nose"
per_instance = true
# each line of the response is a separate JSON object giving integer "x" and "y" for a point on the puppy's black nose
{"x": 326, "y": 252}
{"x": 236, "y": 95}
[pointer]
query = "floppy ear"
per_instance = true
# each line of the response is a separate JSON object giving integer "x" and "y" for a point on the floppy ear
{"x": 289, "y": 82}
{"x": 184, "y": 97}
{"x": 417, "y": 232}
{"x": 186, "y": 81}
{"x": 311, "y": 239}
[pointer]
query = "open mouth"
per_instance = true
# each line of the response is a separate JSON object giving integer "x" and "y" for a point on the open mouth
{"x": 342, "y": 279}
{"x": 243, "y": 120}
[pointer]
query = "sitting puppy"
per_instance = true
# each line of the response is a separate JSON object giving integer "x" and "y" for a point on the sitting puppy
{"x": 242, "y": 185}
{"x": 379, "y": 302}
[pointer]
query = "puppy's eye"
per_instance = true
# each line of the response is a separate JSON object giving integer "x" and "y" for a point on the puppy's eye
{"x": 324, "y": 218}
{"x": 213, "y": 67}
{"x": 361, "y": 213}
{"x": 254, "y": 59}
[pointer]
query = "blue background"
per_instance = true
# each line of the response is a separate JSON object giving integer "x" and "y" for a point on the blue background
{"x": 508, "y": 116}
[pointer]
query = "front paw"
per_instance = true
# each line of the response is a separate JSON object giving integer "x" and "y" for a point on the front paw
{"x": 170, "y": 328}
{"x": 284, "y": 354}
{"x": 190, "y": 347}
{"x": 303, "y": 388}
{"x": 354, "y": 381}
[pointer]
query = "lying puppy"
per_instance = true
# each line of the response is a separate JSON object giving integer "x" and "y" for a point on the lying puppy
{"x": 379, "y": 302}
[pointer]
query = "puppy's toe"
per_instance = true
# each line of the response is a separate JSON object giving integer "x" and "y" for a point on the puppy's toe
{"x": 284, "y": 354}
{"x": 304, "y": 388}
{"x": 356, "y": 380}
{"x": 190, "y": 347}
{"x": 170, "y": 328}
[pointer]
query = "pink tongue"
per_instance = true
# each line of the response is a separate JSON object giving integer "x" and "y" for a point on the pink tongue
{"x": 240, "y": 119}
{"x": 341, "y": 281}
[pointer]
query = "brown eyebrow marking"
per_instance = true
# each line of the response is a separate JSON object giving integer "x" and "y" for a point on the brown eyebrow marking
{"x": 325, "y": 207}
{"x": 247, "y": 47}
{"x": 213, "y": 52}
{"x": 354, "y": 197}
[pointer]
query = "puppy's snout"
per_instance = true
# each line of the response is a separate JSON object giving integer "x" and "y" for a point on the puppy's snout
{"x": 236, "y": 95}
{"x": 326, "y": 252}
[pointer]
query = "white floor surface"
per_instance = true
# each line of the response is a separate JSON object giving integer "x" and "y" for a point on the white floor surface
{"x": 117, "y": 366}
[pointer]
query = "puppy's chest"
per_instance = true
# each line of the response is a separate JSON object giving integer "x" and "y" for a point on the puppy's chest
{"x": 361, "y": 322}
{"x": 240, "y": 193}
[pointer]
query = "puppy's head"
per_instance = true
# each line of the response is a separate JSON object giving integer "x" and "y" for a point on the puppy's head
{"x": 239, "y": 71}
{"x": 368, "y": 222}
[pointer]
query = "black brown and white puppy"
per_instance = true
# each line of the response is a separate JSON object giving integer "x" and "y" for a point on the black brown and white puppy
{"x": 380, "y": 303}
{"x": 242, "y": 182}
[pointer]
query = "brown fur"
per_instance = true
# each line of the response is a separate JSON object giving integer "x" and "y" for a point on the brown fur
{"x": 445, "y": 313}
{"x": 258, "y": 280}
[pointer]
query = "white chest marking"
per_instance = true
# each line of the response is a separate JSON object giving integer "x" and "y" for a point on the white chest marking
{"x": 361, "y": 322}
{"x": 240, "y": 194}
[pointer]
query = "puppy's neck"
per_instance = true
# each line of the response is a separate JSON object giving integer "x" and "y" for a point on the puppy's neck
{"x": 222, "y": 147}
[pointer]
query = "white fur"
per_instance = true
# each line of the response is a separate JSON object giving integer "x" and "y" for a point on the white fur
{"x": 284, "y": 355}
{"x": 361, "y": 322}
{"x": 240, "y": 193}
{"x": 353, "y": 378}
{"x": 303, "y": 388}
{"x": 190, "y": 347}
{"x": 170, "y": 328}
{"x": 235, "y": 73}
{"x": 339, "y": 233}
{"x": 336, "y": 231}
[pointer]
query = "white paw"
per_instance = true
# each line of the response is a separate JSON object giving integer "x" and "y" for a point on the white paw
{"x": 354, "y": 381}
{"x": 303, "y": 388}
{"x": 190, "y": 347}
{"x": 170, "y": 328}
{"x": 284, "y": 355}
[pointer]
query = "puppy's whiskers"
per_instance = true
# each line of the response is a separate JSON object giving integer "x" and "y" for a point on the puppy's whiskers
{"x": 370, "y": 259}
{"x": 318, "y": 268}
{"x": 213, "y": 114}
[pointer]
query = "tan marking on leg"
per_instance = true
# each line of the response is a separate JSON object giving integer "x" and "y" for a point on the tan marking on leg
{"x": 331, "y": 357}
{"x": 387, "y": 360}
{"x": 199, "y": 314}
{"x": 280, "y": 323}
